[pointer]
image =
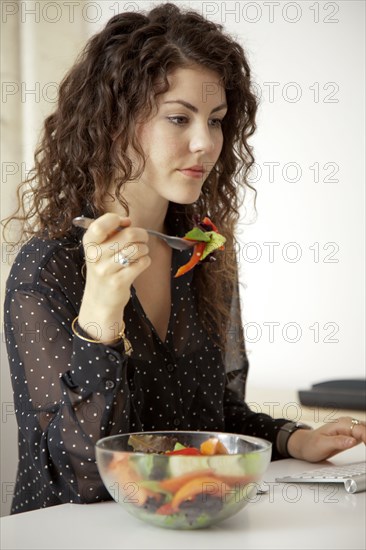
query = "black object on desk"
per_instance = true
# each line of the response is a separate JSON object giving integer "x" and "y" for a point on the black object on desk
{"x": 341, "y": 394}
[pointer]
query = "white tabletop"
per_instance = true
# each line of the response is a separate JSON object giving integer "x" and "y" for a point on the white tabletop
{"x": 284, "y": 403}
{"x": 288, "y": 516}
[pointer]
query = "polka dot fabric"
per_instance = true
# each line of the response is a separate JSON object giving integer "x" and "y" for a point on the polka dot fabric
{"x": 68, "y": 393}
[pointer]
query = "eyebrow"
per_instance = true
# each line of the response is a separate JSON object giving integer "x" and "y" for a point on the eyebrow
{"x": 193, "y": 108}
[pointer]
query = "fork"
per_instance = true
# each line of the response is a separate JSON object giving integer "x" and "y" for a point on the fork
{"x": 173, "y": 242}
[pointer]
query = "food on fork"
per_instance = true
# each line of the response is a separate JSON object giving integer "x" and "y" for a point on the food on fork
{"x": 209, "y": 239}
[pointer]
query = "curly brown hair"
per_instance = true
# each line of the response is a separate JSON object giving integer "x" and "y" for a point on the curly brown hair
{"x": 114, "y": 81}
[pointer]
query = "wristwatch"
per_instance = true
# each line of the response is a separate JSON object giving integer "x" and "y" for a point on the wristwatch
{"x": 284, "y": 434}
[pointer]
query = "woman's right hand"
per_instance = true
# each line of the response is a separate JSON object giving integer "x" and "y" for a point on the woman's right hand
{"x": 107, "y": 287}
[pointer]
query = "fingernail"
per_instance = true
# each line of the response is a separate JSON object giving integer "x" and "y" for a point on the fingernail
{"x": 349, "y": 442}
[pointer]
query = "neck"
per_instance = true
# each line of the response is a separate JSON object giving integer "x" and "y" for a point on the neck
{"x": 146, "y": 208}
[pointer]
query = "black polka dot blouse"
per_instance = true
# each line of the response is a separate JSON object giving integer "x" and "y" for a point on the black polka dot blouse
{"x": 68, "y": 393}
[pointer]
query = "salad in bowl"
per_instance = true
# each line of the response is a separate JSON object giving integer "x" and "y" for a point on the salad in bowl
{"x": 182, "y": 480}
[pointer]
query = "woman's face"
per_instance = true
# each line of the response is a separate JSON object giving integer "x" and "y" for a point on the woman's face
{"x": 185, "y": 132}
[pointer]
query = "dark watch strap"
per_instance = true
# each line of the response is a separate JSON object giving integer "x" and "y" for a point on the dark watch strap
{"x": 284, "y": 434}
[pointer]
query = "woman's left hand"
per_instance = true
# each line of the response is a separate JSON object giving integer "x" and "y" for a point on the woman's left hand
{"x": 328, "y": 440}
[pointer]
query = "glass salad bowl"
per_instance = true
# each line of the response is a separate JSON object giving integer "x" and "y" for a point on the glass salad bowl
{"x": 182, "y": 479}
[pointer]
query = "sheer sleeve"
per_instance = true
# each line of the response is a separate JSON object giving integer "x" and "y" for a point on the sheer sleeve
{"x": 67, "y": 392}
{"x": 239, "y": 418}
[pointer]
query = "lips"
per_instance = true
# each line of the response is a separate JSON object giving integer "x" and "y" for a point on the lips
{"x": 195, "y": 168}
{"x": 193, "y": 171}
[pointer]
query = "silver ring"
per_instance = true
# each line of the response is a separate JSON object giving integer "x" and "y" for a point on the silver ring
{"x": 355, "y": 422}
{"x": 123, "y": 260}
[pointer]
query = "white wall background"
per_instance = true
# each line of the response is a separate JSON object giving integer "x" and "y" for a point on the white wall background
{"x": 303, "y": 307}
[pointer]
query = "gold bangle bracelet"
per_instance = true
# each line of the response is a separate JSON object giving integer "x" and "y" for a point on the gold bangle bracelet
{"x": 121, "y": 336}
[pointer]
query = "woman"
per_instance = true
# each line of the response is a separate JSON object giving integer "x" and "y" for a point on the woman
{"x": 151, "y": 131}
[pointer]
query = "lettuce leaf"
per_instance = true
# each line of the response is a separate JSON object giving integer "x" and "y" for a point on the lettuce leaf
{"x": 196, "y": 234}
{"x": 215, "y": 242}
{"x": 152, "y": 443}
{"x": 178, "y": 446}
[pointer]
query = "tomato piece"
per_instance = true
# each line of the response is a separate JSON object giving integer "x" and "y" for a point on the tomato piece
{"x": 165, "y": 510}
{"x": 213, "y": 446}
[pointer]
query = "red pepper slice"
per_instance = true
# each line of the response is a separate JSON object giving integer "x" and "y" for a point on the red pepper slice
{"x": 187, "y": 451}
{"x": 195, "y": 258}
{"x": 208, "y": 222}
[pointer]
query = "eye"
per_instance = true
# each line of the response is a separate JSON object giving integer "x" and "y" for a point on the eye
{"x": 178, "y": 120}
{"x": 216, "y": 122}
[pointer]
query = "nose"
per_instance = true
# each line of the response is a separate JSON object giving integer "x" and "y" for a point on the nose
{"x": 201, "y": 139}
